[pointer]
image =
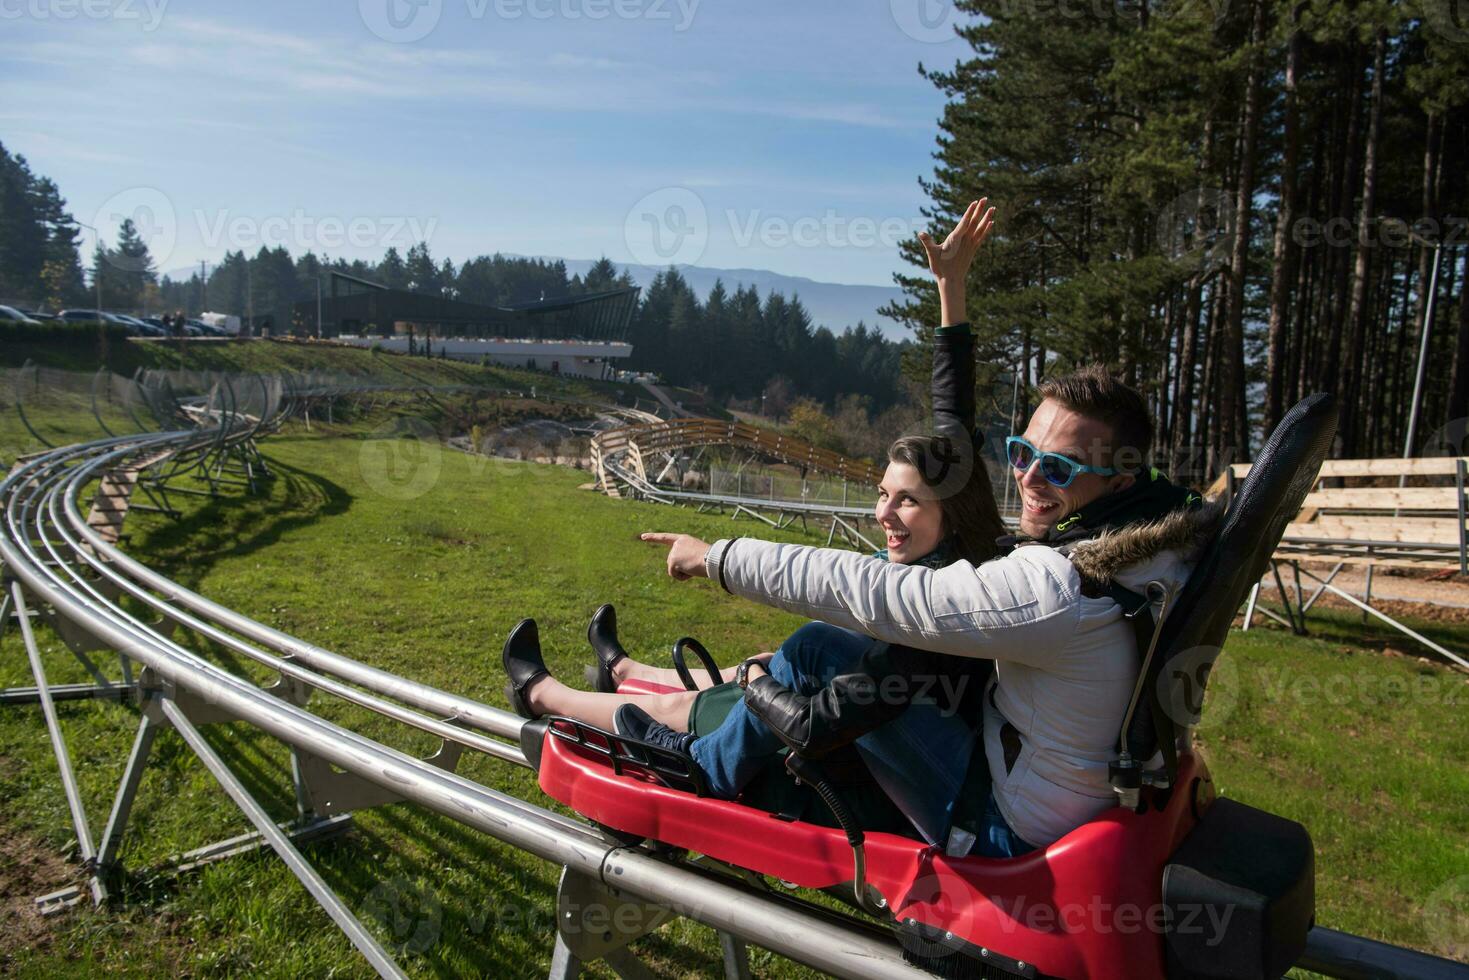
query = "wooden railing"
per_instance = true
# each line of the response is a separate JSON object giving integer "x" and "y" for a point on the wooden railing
{"x": 1409, "y": 526}
{"x": 635, "y": 442}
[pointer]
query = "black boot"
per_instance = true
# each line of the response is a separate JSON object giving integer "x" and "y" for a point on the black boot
{"x": 602, "y": 635}
{"x": 523, "y": 665}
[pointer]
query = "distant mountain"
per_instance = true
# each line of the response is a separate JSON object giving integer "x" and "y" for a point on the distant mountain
{"x": 833, "y": 305}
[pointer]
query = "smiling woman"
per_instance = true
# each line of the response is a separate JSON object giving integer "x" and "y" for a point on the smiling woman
{"x": 911, "y": 516}
{"x": 918, "y": 517}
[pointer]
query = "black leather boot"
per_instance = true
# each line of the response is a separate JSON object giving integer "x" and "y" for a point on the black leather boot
{"x": 602, "y": 635}
{"x": 523, "y": 664}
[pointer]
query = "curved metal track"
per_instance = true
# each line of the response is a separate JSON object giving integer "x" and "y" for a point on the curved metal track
{"x": 59, "y": 569}
{"x": 619, "y": 459}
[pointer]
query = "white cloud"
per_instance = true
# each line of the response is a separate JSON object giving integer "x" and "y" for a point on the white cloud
{"x": 564, "y": 60}
{"x": 45, "y": 145}
{"x": 226, "y": 62}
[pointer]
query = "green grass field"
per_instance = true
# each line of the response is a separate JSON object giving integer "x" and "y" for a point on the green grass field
{"x": 419, "y": 560}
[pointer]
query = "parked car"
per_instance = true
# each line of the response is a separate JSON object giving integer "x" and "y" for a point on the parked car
{"x": 85, "y": 316}
{"x": 139, "y": 328}
{"x": 10, "y": 314}
{"x": 135, "y": 328}
{"x": 198, "y": 328}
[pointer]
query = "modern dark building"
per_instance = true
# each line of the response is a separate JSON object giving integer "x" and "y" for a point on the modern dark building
{"x": 361, "y": 308}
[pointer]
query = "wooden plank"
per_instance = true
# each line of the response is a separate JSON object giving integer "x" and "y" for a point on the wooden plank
{"x": 1384, "y": 498}
{"x": 1431, "y": 529}
{"x": 1428, "y": 563}
{"x": 1381, "y": 528}
{"x": 1420, "y": 466}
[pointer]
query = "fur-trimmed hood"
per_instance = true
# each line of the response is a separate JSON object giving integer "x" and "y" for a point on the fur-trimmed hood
{"x": 1165, "y": 549}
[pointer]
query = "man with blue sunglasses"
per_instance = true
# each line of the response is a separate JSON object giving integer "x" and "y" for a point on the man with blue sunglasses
{"x": 1096, "y": 526}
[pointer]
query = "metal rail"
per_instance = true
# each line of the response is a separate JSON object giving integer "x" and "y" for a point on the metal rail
{"x": 59, "y": 570}
{"x": 53, "y": 560}
{"x": 617, "y": 458}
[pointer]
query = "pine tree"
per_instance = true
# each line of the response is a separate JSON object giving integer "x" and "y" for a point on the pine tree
{"x": 391, "y": 271}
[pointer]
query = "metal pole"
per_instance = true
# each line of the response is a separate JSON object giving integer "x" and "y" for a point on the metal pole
{"x": 318, "y": 307}
{"x": 800, "y": 934}
{"x": 1337, "y": 954}
{"x": 1422, "y": 359}
{"x": 58, "y": 742}
{"x": 315, "y": 884}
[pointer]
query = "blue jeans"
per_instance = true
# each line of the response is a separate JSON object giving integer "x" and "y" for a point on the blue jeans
{"x": 919, "y": 758}
{"x": 996, "y": 839}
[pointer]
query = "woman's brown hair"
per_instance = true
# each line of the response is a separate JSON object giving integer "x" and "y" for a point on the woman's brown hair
{"x": 965, "y": 494}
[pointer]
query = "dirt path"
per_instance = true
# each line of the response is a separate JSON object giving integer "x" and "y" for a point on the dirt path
{"x": 27, "y": 869}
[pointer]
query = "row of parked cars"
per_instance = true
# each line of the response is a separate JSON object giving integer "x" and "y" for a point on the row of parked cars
{"x": 148, "y": 326}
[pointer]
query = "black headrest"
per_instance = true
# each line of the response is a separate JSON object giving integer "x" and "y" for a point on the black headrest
{"x": 1195, "y": 629}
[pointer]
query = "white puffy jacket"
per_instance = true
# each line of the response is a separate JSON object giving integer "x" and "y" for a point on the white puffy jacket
{"x": 1066, "y": 662}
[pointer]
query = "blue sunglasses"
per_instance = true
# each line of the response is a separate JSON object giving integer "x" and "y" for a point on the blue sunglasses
{"x": 1058, "y": 470}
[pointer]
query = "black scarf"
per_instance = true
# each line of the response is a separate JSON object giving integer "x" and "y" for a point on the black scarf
{"x": 1151, "y": 497}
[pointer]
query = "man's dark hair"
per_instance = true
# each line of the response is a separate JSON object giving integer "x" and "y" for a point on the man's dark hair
{"x": 1092, "y": 392}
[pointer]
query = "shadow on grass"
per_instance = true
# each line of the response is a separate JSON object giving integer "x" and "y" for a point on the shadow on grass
{"x": 473, "y": 931}
{"x": 185, "y": 549}
{"x": 1333, "y": 625}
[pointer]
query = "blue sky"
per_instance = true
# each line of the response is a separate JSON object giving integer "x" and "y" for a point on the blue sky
{"x": 731, "y": 133}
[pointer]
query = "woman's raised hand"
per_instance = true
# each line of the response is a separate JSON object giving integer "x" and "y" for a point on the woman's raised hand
{"x": 950, "y": 261}
{"x": 952, "y": 258}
